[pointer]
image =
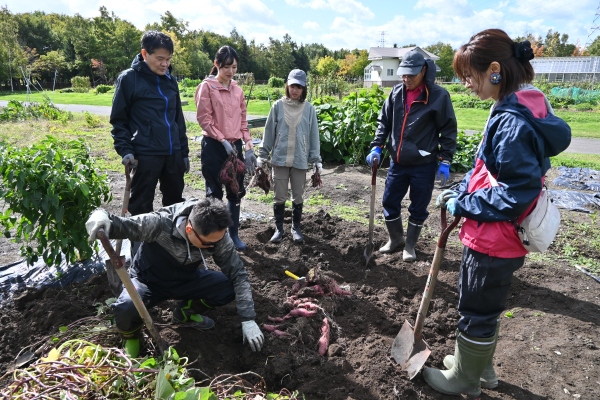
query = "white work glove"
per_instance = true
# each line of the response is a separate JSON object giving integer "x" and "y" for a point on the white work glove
{"x": 228, "y": 148}
{"x": 318, "y": 167}
{"x": 250, "y": 161}
{"x": 260, "y": 162}
{"x": 252, "y": 335}
{"x": 98, "y": 220}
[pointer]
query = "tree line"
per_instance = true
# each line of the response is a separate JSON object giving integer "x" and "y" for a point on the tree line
{"x": 52, "y": 46}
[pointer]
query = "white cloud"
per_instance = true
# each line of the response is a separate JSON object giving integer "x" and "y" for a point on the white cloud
{"x": 310, "y": 25}
{"x": 353, "y": 7}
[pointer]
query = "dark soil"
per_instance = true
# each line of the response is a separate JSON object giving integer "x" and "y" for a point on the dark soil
{"x": 548, "y": 350}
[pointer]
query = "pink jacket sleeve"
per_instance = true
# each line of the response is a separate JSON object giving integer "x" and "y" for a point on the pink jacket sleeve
{"x": 204, "y": 113}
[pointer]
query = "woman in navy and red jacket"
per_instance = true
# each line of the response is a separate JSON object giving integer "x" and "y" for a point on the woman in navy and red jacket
{"x": 521, "y": 134}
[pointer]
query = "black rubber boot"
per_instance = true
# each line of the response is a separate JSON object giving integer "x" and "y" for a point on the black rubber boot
{"x": 396, "y": 234}
{"x": 278, "y": 212}
{"x": 234, "y": 210}
{"x": 188, "y": 313}
{"x": 296, "y": 217}
{"x": 412, "y": 236}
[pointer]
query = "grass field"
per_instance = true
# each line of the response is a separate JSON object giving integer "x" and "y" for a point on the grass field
{"x": 583, "y": 124}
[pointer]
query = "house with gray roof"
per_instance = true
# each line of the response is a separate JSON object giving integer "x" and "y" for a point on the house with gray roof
{"x": 384, "y": 65}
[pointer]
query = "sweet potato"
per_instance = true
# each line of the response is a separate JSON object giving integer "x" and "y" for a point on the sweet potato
{"x": 275, "y": 319}
{"x": 300, "y": 312}
{"x": 323, "y": 343}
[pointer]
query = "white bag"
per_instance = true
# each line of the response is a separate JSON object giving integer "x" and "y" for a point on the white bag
{"x": 538, "y": 229}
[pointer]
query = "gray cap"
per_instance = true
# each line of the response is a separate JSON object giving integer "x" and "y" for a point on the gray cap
{"x": 412, "y": 63}
{"x": 298, "y": 77}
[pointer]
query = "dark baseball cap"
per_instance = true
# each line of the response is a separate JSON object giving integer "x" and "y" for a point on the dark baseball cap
{"x": 298, "y": 77}
{"x": 412, "y": 63}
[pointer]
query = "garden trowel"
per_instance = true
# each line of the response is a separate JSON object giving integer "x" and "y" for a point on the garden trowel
{"x": 369, "y": 249}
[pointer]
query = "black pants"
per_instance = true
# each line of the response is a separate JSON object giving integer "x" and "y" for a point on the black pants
{"x": 211, "y": 286}
{"x": 168, "y": 170}
{"x": 213, "y": 156}
{"x": 483, "y": 286}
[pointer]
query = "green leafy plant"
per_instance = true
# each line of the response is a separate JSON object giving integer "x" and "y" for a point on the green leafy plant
{"x": 81, "y": 84}
{"x": 103, "y": 89}
{"x": 49, "y": 190}
{"x": 275, "y": 82}
{"x": 18, "y": 111}
{"x": 466, "y": 148}
{"x": 346, "y": 130}
{"x": 91, "y": 120}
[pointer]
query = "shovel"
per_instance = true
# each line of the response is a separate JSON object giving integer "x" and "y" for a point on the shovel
{"x": 409, "y": 349}
{"x": 118, "y": 263}
{"x": 113, "y": 278}
{"x": 369, "y": 249}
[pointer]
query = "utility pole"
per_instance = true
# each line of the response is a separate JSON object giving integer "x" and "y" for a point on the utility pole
{"x": 595, "y": 28}
{"x": 382, "y": 39}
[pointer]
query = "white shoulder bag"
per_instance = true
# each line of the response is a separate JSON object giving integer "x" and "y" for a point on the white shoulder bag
{"x": 538, "y": 230}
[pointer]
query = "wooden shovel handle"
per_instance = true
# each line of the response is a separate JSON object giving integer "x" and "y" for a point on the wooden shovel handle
{"x": 433, "y": 273}
{"x": 131, "y": 290}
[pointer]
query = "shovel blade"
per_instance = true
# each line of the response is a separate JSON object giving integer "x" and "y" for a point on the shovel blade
{"x": 368, "y": 253}
{"x": 408, "y": 352}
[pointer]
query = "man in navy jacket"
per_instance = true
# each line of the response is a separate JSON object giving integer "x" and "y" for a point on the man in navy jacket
{"x": 149, "y": 126}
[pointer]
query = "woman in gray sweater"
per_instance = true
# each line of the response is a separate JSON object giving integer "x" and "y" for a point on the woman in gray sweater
{"x": 291, "y": 139}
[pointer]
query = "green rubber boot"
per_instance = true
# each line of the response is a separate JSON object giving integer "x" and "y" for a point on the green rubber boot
{"x": 470, "y": 358}
{"x": 132, "y": 347}
{"x": 489, "y": 379}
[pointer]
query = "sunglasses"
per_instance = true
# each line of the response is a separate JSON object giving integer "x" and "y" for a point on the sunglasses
{"x": 200, "y": 239}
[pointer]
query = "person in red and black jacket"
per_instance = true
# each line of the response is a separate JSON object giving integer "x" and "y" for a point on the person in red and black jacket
{"x": 520, "y": 136}
{"x": 418, "y": 127}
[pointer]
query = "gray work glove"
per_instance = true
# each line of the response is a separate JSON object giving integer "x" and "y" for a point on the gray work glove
{"x": 250, "y": 160}
{"x": 186, "y": 162}
{"x": 252, "y": 335}
{"x": 228, "y": 148}
{"x": 318, "y": 167}
{"x": 443, "y": 198}
{"x": 128, "y": 159}
{"x": 98, "y": 220}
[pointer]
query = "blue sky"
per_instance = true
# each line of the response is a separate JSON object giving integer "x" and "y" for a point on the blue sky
{"x": 350, "y": 23}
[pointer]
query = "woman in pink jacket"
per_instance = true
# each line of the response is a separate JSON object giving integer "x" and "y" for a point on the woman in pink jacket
{"x": 221, "y": 112}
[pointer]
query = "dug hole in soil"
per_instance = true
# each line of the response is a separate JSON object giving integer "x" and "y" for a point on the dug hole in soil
{"x": 548, "y": 350}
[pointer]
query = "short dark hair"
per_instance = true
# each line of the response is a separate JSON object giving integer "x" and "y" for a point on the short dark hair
{"x": 474, "y": 58}
{"x": 210, "y": 215}
{"x": 302, "y": 97}
{"x": 154, "y": 40}
{"x": 224, "y": 56}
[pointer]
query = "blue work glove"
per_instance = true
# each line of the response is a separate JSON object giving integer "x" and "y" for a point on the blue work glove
{"x": 451, "y": 205}
{"x": 186, "y": 162}
{"x": 443, "y": 173}
{"x": 228, "y": 148}
{"x": 375, "y": 154}
{"x": 443, "y": 198}
{"x": 128, "y": 159}
{"x": 250, "y": 160}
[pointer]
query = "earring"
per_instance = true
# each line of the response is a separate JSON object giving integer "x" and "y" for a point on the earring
{"x": 495, "y": 78}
